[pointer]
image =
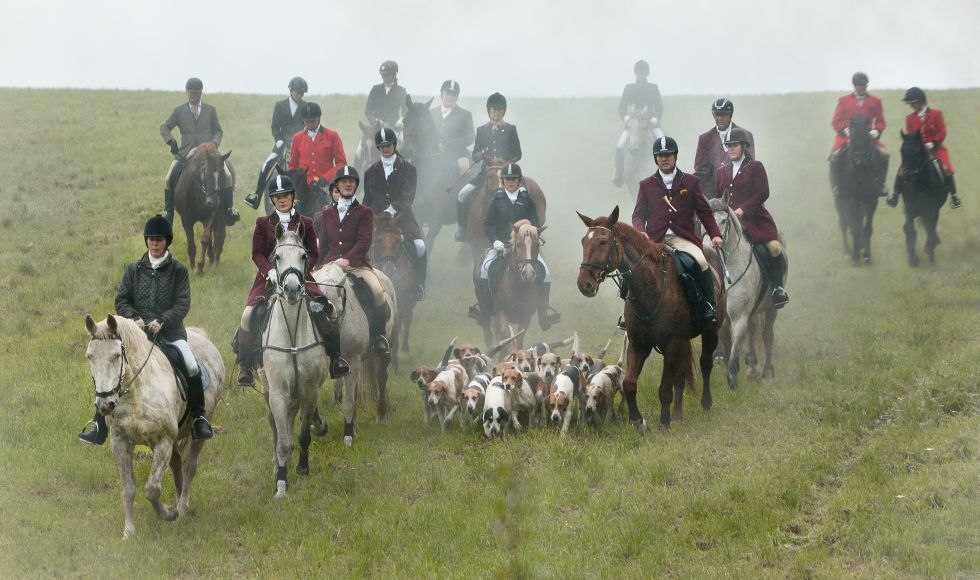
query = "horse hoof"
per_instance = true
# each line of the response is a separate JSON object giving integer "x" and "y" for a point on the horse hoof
{"x": 128, "y": 532}
{"x": 719, "y": 361}
{"x": 913, "y": 261}
{"x": 348, "y": 441}
{"x": 280, "y": 489}
{"x": 319, "y": 428}
{"x": 768, "y": 374}
{"x": 641, "y": 426}
{"x": 664, "y": 427}
{"x": 168, "y": 513}
{"x": 302, "y": 470}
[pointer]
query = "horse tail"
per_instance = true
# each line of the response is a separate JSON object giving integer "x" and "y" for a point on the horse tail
{"x": 688, "y": 370}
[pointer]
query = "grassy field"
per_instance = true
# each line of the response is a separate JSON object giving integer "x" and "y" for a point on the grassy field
{"x": 860, "y": 459}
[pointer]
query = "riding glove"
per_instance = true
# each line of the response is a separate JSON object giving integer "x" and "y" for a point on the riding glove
{"x": 653, "y": 120}
{"x": 847, "y": 131}
{"x": 173, "y": 146}
{"x": 874, "y": 133}
{"x": 930, "y": 146}
{"x": 279, "y": 144}
{"x": 154, "y": 326}
{"x": 499, "y": 246}
{"x": 390, "y": 210}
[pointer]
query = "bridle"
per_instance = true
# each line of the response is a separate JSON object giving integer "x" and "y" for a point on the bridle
{"x": 123, "y": 361}
{"x": 738, "y": 240}
{"x": 623, "y": 276}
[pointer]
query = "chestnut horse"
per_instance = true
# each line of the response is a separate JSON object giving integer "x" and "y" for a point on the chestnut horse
{"x": 514, "y": 292}
{"x": 197, "y": 199}
{"x": 390, "y": 255}
{"x": 657, "y": 312}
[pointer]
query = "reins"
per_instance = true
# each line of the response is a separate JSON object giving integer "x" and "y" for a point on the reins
{"x": 123, "y": 360}
{"x": 623, "y": 277}
{"x": 724, "y": 254}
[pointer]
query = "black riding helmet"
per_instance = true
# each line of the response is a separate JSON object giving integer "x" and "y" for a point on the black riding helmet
{"x": 914, "y": 94}
{"x": 194, "y": 84}
{"x": 722, "y": 106}
{"x": 279, "y": 185}
{"x": 511, "y": 170}
{"x": 298, "y": 84}
{"x": 641, "y": 67}
{"x": 158, "y": 227}
{"x": 343, "y": 172}
{"x": 384, "y": 137}
{"x": 664, "y": 146}
{"x": 737, "y": 135}
{"x": 497, "y": 101}
{"x": 311, "y": 111}
{"x": 450, "y": 86}
{"x": 388, "y": 66}
{"x": 859, "y": 78}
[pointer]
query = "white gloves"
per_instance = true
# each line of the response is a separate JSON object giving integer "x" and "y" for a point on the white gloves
{"x": 847, "y": 131}
{"x": 390, "y": 210}
{"x": 654, "y": 120}
{"x": 930, "y": 146}
{"x": 139, "y": 322}
{"x": 279, "y": 144}
{"x": 154, "y": 326}
{"x": 626, "y": 118}
{"x": 273, "y": 276}
{"x": 499, "y": 246}
{"x": 874, "y": 133}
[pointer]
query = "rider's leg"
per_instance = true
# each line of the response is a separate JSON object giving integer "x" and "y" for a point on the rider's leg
{"x": 881, "y": 173}
{"x": 463, "y": 210}
{"x": 253, "y": 199}
{"x": 547, "y": 316}
{"x": 329, "y": 329}
{"x": 777, "y": 273}
{"x": 200, "y": 428}
{"x": 173, "y": 172}
{"x": 835, "y": 171}
{"x": 481, "y": 312}
{"x": 378, "y": 317}
{"x": 620, "y": 163}
{"x": 227, "y": 196}
{"x": 951, "y": 188}
{"x": 700, "y": 290}
{"x": 246, "y": 349}
{"x": 421, "y": 264}
{"x": 95, "y": 436}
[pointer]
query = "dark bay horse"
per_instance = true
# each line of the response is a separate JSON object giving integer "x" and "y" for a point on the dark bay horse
{"x": 923, "y": 189}
{"x": 196, "y": 199}
{"x": 390, "y": 254}
{"x": 858, "y": 190}
{"x": 514, "y": 291}
{"x": 434, "y": 207}
{"x": 657, "y": 313}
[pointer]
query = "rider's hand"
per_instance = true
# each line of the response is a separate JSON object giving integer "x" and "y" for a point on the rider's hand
{"x": 930, "y": 146}
{"x": 279, "y": 144}
{"x": 273, "y": 276}
{"x": 499, "y": 246}
{"x": 626, "y": 118}
{"x": 739, "y": 212}
{"x": 390, "y": 210}
{"x": 847, "y": 131}
{"x": 653, "y": 120}
{"x": 173, "y": 146}
{"x": 154, "y": 326}
{"x": 344, "y": 263}
{"x": 875, "y": 133}
{"x": 717, "y": 242}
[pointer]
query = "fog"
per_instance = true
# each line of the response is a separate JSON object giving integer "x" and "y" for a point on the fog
{"x": 579, "y": 48}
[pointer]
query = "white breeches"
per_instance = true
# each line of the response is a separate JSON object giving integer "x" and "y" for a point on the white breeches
{"x": 246, "y": 317}
{"x": 492, "y": 255}
{"x": 190, "y": 363}
{"x": 419, "y": 247}
{"x": 681, "y": 245}
{"x": 466, "y": 191}
{"x": 655, "y": 133}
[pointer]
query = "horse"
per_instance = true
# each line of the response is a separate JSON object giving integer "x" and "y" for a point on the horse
{"x": 923, "y": 189}
{"x": 638, "y": 162}
{"x": 355, "y": 343}
{"x": 390, "y": 254}
{"x": 294, "y": 364}
{"x": 481, "y": 204}
{"x": 137, "y": 392}
{"x": 309, "y": 201}
{"x": 514, "y": 291}
{"x": 749, "y": 302}
{"x": 366, "y": 153}
{"x": 858, "y": 190}
{"x": 197, "y": 199}
{"x": 657, "y": 313}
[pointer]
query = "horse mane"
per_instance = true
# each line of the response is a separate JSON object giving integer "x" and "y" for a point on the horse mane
{"x": 332, "y": 273}
{"x": 632, "y": 237}
{"x": 132, "y": 336}
{"x": 717, "y": 204}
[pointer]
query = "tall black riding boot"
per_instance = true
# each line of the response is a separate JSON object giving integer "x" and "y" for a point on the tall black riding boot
{"x": 200, "y": 428}
{"x": 377, "y": 322}
{"x": 547, "y": 316}
{"x": 245, "y": 356}
{"x": 462, "y": 213}
{"x": 168, "y": 204}
{"x": 329, "y": 330}
{"x": 231, "y": 214}
{"x": 835, "y": 171}
{"x": 881, "y": 174}
{"x": 777, "y": 271}
{"x": 951, "y": 188}
{"x": 481, "y": 311}
{"x": 619, "y": 168}
{"x": 706, "y": 283}
{"x": 421, "y": 265}
{"x": 704, "y": 312}
{"x": 95, "y": 436}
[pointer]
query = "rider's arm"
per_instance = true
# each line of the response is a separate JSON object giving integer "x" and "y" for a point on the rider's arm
{"x": 365, "y": 231}
{"x": 879, "y": 120}
{"x": 277, "y": 124}
{"x": 339, "y": 157}
{"x": 310, "y": 241}
{"x": 294, "y": 154}
{"x": 702, "y": 162}
{"x": 703, "y": 210}
{"x": 532, "y": 210}
{"x": 216, "y": 132}
{"x": 166, "y": 130}
{"x": 409, "y": 186}
{"x": 480, "y": 144}
{"x": 259, "y": 247}
{"x": 758, "y": 188}
{"x": 124, "y": 304}
{"x": 515, "y": 146}
{"x": 173, "y": 317}
{"x": 624, "y": 102}
{"x": 489, "y": 229}
{"x": 840, "y": 121}
{"x": 641, "y": 211}
{"x": 656, "y": 101}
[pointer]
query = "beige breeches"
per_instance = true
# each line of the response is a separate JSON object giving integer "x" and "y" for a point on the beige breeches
{"x": 371, "y": 278}
{"x": 681, "y": 245}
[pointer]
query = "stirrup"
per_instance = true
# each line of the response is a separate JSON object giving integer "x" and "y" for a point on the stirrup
{"x": 92, "y": 436}
{"x": 621, "y": 324}
{"x": 779, "y": 297}
{"x": 205, "y": 431}
{"x": 955, "y": 201}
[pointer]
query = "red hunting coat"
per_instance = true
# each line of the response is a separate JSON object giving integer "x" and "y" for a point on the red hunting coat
{"x": 933, "y": 130}
{"x": 320, "y": 157}
{"x": 749, "y": 190}
{"x": 349, "y": 239}
{"x": 654, "y": 215}
{"x": 849, "y": 106}
{"x": 263, "y": 246}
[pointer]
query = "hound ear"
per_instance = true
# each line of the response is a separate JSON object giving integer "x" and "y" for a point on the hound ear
{"x": 90, "y": 324}
{"x": 512, "y": 356}
{"x": 111, "y": 321}
{"x": 415, "y": 375}
{"x": 614, "y": 216}
{"x": 589, "y": 222}
{"x": 457, "y": 354}
{"x": 279, "y": 230}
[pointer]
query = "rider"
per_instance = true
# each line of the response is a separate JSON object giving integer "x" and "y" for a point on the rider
{"x": 508, "y": 205}
{"x": 454, "y": 127}
{"x": 931, "y": 126}
{"x": 744, "y": 180}
{"x": 859, "y": 102}
{"x": 155, "y": 293}
{"x": 389, "y": 186}
{"x": 496, "y": 143}
{"x": 640, "y": 99}
{"x": 287, "y": 120}
{"x": 386, "y": 101}
{"x": 316, "y": 149}
{"x": 283, "y": 194}
{"x": 666, "y": 205}
{"x": 198, "y": 123}
{"x": 712, "y": 152}
{"x": 346, "y": 231}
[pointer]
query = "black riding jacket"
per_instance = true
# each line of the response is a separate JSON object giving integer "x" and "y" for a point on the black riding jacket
{"x": 163, "y": 294}
{"x": 502, "y": 214}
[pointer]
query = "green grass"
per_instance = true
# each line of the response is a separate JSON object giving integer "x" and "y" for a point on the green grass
{"x": 860, "y": 459}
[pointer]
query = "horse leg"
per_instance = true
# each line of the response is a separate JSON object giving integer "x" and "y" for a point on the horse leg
{"x": 282, "y": 433}
{"x": 869, "y": 218}
{"x": 161, "y": 458}
{"x": 122, "y": 450}
{"x": 207, "y": 243}
{"x": 709, "y": 341}
{"x": 635, "y": 357}
{"x": 407, "y": 315}
{"x": 931, "y": 221}
{"x": 176, "y": 468}
{"x": 189, "y": 451}
{"x": 768, "y": 339}
{"x": 739, "y": 331}
{"x": 671, "y": 375}
{"x": 191, "y": 244}
{"x": 910, "y": 235}
{"x": 751, "y": 358}
{"x": 349, "y": 403}
{"x": 381, "y": 380}
{"x": 842, "y": 221}
{"x": 305, "y": 420}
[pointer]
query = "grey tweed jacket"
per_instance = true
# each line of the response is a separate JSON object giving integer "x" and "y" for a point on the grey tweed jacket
{"x": 193, "y": 131}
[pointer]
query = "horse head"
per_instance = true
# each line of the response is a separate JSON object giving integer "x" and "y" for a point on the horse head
{"x": 525, "y": 243}
{"x": 207, "y": 165}
{"x": 601, "y": 251}
{"x": 290, "y": 261}
{"x": 389, "y": 242}
{"x": 108, "y": 363}
{"x": 860, "y": 146}
{"x": 493, "y": 182}
{"x": 419, "y": 135}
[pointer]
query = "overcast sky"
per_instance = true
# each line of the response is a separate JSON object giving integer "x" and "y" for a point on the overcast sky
{"x": 519, "y": 47}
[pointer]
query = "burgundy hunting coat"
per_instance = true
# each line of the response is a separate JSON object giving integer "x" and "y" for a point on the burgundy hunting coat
{"x": 349, "y": 239}
{"x": 659, "y": 209}
{"x": 264, "y": 244}
{"x": 749, "y": 190}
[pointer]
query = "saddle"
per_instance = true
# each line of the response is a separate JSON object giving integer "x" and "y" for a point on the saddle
{"x": 363, "y": 293}
{"x": 177, "y": 362}
{"x": 688, "y": 271}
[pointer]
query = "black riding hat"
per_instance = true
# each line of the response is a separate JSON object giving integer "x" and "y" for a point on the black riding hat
{"x": 723, "y": 106}
{"x": 641, "y": 66}
{"x": 859, "y": 78}
{"x": 194, "y": 84}
{"x": 311, "y": 111}
{"x": 497, "y": 101}
{"x": 385, "y": 136}
{"x": 737, "y": 135}
{"x": 298, "y": 84}
{"x": 158, "y": 227}
{"x": 388, "y": 66}
{"x": 665, "y": 145}
{"x": 344, "y": 172}
{"x": 511, "y": 170}
{"x": 279, "y": 185}
{"x": 914, "y": 94}
{"x": 450, "y": 86}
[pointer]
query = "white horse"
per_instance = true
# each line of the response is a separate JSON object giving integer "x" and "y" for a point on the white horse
{"x": 294, "y": 364}
{"x": 136, "y": 391}
{"x": 750, "y": 306}
{"x": 367, "y": 368}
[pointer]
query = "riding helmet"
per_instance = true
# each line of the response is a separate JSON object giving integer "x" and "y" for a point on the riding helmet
{"x": 389, "y": 66}
{"x": 384, "y": 137}
{"x": 450, "y": 86}
{"x": 298, "y": 84}
{"x": 859, "y": 78}
{"x": 311, "y": 111}
{"x": 194, "y": 84}
{"x": 280, "y": 184}
{"x": 641, "y": 67}
{"x": 158, "y": 227}
{"x": 722, "y": 106}
{"x": 511, "y": 170}
{"x": 737, "y": 135}
{"x": 914, "y": 94}
{"x": 665, "y": 146}
{"x": 497, "y": 101}
{"x": 343, "y": 172}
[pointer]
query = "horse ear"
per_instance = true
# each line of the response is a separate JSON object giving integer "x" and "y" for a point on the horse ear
{"x": 515, "y": 227}
{"x": 541, "y": 229}
{"x": 111, "y": 321}
{"x": 614, "y": 216}
{"x": 226, "y": 156}
{"x": 279, "y": 230}
{"x": 589, "y": 222}
{"x": 90, "y": 324}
